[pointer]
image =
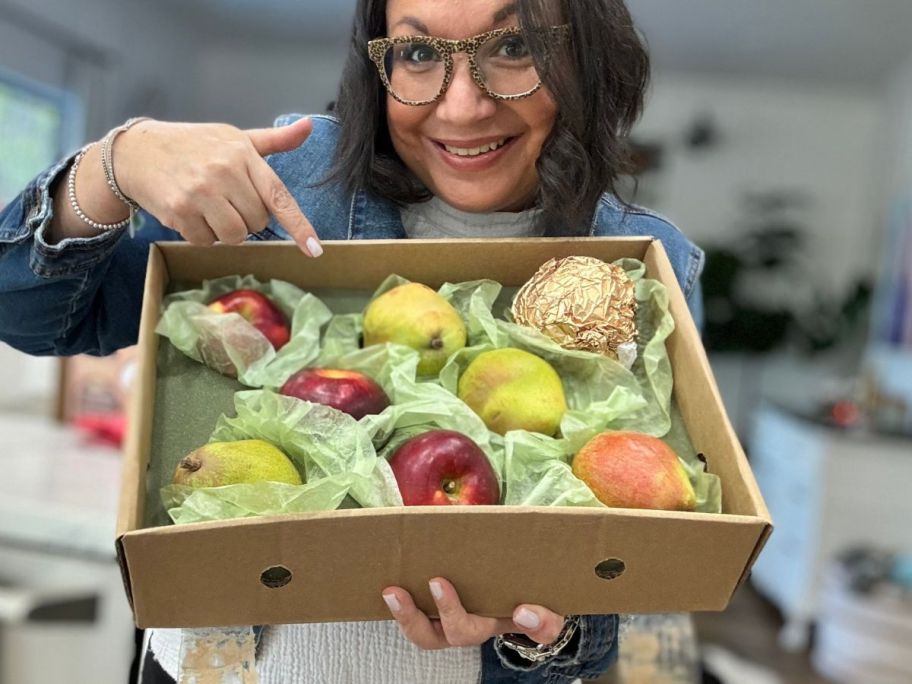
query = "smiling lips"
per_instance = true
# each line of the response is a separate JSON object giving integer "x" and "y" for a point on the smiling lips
{"x": 472, "y": 154}
{"x": 475, "y": 151}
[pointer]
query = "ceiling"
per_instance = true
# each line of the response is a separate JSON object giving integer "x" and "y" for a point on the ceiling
{"x": 854, "y": 42}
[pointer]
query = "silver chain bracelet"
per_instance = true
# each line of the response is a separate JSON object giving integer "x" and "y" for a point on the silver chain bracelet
{"x": 71, "y": 193}
{"x": 107, "y": 160}
{"x": 535, "y": 652}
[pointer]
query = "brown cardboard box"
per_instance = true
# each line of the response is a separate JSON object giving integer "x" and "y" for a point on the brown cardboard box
{"x": 571, "y": 560}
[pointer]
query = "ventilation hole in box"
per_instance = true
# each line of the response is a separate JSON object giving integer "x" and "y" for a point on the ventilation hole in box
{"x": 275, "y": 577}
{"x": 610, "y": 569}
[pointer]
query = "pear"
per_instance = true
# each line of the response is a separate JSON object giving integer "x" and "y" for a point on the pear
{"x": 511, "y": 389}
{"x": 634, "y": 470}
{"x": 225, "y": 463}
{"x": 415, "y": 316}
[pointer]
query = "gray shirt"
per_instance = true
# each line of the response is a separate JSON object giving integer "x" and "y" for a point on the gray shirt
{"x": 436, "y": 219}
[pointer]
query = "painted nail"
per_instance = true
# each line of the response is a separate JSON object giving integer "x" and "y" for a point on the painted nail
{"x": 392, "y": 602}
{"x": 314, "y": 247}
{"x": 526, "y": 618}
{"x": 436, "y": 589}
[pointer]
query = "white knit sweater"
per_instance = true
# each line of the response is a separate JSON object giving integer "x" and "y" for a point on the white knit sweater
{"x": 371, "y": 652}
{"x": 341, "y": 653}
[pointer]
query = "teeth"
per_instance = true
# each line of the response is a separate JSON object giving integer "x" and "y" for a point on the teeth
{"x": 475, "y": 151}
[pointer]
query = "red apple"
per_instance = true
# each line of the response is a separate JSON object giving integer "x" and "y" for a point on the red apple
{"x": 350, "y": 391}
{"x": 634, "y": 470}
{"x": 259, "y": 310}
{"x": 442, "y": 467}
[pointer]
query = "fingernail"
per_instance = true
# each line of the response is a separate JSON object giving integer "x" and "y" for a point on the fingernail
{"x": 436, "y": 589}
{"x": 392, "y": 602}
{"x": 314, "y": 247}
{"x": 526, "y": 618}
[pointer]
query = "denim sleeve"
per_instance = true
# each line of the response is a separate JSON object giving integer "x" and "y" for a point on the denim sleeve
{"x": 589, "y": 655}
{"x": 82, "y": 295}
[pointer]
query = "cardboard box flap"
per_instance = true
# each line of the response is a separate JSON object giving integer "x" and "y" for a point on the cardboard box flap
{"x": 339, "y": 562}
{"x": 465, "y": 259}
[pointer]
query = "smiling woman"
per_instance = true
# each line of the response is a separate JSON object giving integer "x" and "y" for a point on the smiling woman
{"x": 465, "y": 118}
{"x": 558, "y": 147}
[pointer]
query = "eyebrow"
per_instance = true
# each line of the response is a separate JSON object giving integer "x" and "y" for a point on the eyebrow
{"x": 499, "y": 16}
{"x": 414, "y": 23}
{"x": 504, "y": 12}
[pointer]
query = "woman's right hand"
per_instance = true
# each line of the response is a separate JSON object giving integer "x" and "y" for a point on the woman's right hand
{"x": 210, "y": 182}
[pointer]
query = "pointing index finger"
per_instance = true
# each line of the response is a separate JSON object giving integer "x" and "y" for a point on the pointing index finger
{"x": 284, "y": 207}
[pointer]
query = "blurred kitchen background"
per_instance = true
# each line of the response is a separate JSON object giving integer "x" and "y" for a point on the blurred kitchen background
{"x": 778, "y": 135}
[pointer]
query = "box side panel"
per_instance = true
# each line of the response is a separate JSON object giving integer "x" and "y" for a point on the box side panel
{"x": 698, "y": 397}
{"x": 761, "y": 542}
{"x": 136, "y": 449}
{"x": 124, "y": 570}
{"x": 496, "y": 557}
{"x": 364, "y": 264}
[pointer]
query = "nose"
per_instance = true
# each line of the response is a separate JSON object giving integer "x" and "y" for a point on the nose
{"x": 464, "y": 102}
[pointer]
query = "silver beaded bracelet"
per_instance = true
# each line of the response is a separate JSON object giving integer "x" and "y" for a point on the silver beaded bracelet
{"x": 71, "y": 193}
{"x": 107, "y": 159}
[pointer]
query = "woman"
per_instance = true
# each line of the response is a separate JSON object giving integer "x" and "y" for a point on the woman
{"x": 457, "y": 118}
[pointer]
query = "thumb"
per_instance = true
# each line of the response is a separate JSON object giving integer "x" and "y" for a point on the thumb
{"x": 282, "y": 139}
{"x": 538, "y": 623}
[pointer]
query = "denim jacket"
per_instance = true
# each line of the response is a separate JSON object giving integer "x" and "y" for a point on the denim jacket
{"x": 84, "y": 295}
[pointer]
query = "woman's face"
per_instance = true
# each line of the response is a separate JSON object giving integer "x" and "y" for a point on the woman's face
{"x": 439, "y": 142}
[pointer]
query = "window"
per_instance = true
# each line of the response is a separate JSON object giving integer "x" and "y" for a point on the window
{"x": 38, "y": 125}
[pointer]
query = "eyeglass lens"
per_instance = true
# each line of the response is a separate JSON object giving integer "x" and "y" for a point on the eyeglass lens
{"x": 416, "y": 70}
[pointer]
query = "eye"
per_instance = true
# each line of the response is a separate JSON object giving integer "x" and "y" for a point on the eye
{"x": 416, "y": 53}
{"x": 513, "y": 47}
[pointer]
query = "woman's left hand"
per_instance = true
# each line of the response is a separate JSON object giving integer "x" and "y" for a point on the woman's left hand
{"x": 456, "y": 627}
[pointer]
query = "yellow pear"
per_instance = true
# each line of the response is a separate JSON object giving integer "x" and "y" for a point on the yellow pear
{"x": 415, "y": 316}
{"x": 242, "y": 462}
{"x": 511, "y": 389}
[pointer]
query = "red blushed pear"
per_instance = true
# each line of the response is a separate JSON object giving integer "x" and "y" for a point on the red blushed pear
{"x": 259, "y": 311}
{"x": 350, "y": 391}
{"x": 443, "y": 467}
{"x": 634, "y": 470}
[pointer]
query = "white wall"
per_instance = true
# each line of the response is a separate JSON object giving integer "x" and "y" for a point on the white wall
{"x": 899, "y": 112}
{"x": 146, "y": 51}
{"x": 774, "y": 134}
{"x": 893, "y": 363}
{"x": 250, "y": 84}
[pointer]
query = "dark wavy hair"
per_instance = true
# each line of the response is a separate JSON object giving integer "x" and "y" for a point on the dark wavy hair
{"x": 598, "y": 79}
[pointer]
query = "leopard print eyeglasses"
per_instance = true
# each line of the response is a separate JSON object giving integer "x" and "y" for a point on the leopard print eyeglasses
{"x": 417, "y": 70}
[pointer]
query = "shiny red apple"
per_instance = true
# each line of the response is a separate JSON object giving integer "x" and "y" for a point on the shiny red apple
{"x": 355, "y": 393}
{"x": 443, "y": 467}
{"x": 259, "y": 310}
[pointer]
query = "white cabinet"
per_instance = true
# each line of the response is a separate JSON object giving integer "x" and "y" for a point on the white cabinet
{"x": 58, "y": 502}
{"x": 827, "y": 490}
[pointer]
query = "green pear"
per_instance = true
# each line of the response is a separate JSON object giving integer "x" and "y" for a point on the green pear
{"x": 415, "y": 316}
{"x": 511, "y": 389}
{"x": 226, "y": 463}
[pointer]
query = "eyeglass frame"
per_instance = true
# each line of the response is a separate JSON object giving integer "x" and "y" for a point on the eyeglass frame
{"x": 378, "y": 47}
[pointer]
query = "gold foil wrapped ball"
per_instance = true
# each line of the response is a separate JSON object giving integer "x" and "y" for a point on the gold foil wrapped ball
{"x": 581, "y": 303}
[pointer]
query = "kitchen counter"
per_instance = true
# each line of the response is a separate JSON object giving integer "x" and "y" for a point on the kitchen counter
{"x": 58, "y": 490}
